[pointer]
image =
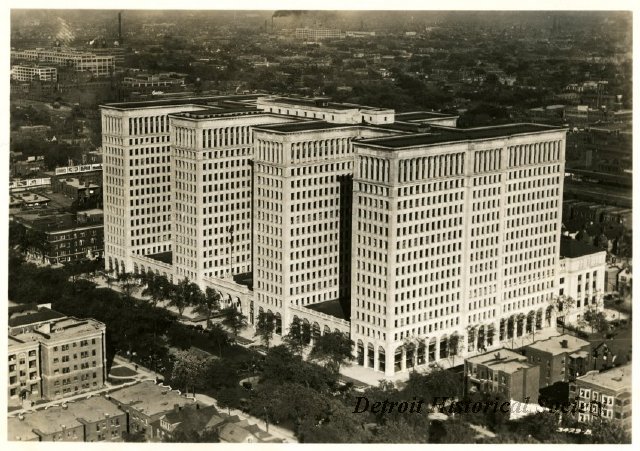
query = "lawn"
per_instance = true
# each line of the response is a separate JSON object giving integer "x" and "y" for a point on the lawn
{"x": 122, "y": 371}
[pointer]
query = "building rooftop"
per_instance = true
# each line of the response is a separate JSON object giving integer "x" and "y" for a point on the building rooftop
{"x": 554, "y": 345}
{"x": 570, "y": 248}
{"x": 69, "y": 327}
{"x": 217, "y": 111}
{"x": 149, "y": 398}
{"x": 503, "y": 360}
{"x": 36, "y": 315}
{"x": 55, "y": 222}
{"x": 177, "y": 101}
{"x": 422, "y": 115}
{"x": 321, "y": 103}
{"x": 55, "y": 419}
{"x": 332, "y": 307}
{"x": 303, "y": 126}
{"x": 615, "y": 379}
{"x": 164, "y": 257}
{"x": 440, "y": 135}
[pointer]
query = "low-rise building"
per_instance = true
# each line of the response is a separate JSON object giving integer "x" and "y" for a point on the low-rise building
{"x": 503, "y": 373}
{"x": 89, "y": 420}
{"x": 22, "y": 72}
{"x": 581, "y": 276}
{"x": 145, "y": 404}
{"x": 187, "y": 420}
{"x": 606, "y": 394}
{"x": 67, "y": 237}
{"x": 561, "y": 358}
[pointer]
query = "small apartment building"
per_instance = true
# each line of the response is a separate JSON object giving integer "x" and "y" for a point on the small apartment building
{"x": 561, "y": 358}
{"x": 503, "y": 373}
{"x": 89, "y": 420}
{"x": 145, "y": 404}
{"x": 24, "y": 369}
{"x": 73, "y": 357}
{"x": 581, "y": 276}
{"x": 606, "y": 395}
{"x": 70, "y": 355}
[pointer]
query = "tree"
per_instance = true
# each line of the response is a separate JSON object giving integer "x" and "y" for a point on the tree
{"x": 562, "y": 304}
{"x": 265, "y": 327}
{"x": 455, "y": 345}
{"x": 209, "y": 304}
{"x": 189, "y": 370}
{"x": 186, "y": 293}
{"x": 398, "y": 430}
{"x": 229, "y": 397}
{"x": 295, "y": 339}
{"x": 158, "y": 288}
{"x": 128, "y": 283}
{"x": 595, "y": 319}
{"x": 218, "y": 337}
{"x": 233, "y": 319}
{"x": 334, "y": 348}
{"x": 610, "y": 432}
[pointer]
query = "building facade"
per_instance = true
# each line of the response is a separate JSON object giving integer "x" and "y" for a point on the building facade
{"x": 455, "y": 233}
{"x": 561, "y": 359}
{"x": 581, "y": 277}
{"x": 60, "y": 356}
{"x": 28, "y": 73}
{"x": 606, "y": 395}
{"x": 97, "y": 65}
{"x": 503, "y": 373}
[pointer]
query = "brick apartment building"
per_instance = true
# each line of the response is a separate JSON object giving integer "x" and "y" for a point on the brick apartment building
{"x": 503, "y": 373}
{"x": 561, "y": 359}
{"x": 52, "y": 356}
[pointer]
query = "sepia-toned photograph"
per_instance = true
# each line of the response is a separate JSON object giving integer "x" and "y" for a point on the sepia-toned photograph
{"x": 319, "y": 226}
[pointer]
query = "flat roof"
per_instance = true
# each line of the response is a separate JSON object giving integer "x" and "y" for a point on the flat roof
{"x": 53, "y": 419}
{"x": 614, "y": 379}
{"x": 56, "y": 222}
{"x": 422, "y": 115}
{"x": 292, "y": 127}
{"x": 332, "y": 307}
{"x": 504, "y": 360}
{"x": 149, "y": 398}
{"x": 33, "y": 317}
{"x": 570, "y": 248}
{"x": 554, "y": 346}
{"x": 177, "y": 101}
{"x": 215, "y": 111}
{"x": 439, "y": 135}
{"x": 164, "y": 257}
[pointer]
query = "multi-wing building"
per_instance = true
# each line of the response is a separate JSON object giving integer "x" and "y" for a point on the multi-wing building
{"x": 418, "y": 239}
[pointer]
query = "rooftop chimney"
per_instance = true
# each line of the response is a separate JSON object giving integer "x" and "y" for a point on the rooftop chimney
{"x": 176, "y": 407}
{"x": 564, "y": 343}
{"x": 497, "y": 355}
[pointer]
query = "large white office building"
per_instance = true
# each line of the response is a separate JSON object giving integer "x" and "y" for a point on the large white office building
{"x": 428, "y": 240}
